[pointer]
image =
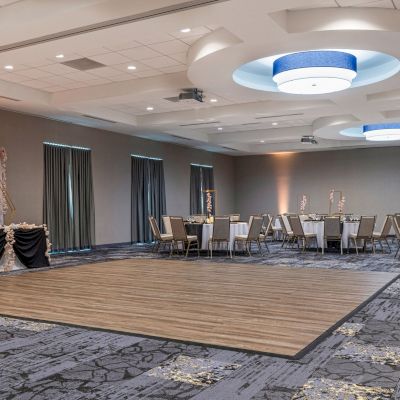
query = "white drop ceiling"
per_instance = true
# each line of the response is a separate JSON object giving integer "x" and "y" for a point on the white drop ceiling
{"x": 147, "y": 35}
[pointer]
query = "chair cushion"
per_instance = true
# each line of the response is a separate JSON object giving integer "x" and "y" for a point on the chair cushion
{"x": 240, "y": 237}
{"x": 166, "y": 236}
{"x": 192, "y": 238}
{"x": 353, "y": 235}
{"x": 310, "y": 235}
{"x": 377, "y": 234}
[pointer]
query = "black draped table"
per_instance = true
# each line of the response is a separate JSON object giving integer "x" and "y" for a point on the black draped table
{"x": 23, "y": 245}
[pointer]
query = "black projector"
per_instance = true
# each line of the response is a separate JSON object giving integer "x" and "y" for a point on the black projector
{"x": 309, "y": 140}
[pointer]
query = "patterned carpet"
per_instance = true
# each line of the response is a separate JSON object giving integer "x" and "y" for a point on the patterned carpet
{"x": 359, "y": 361}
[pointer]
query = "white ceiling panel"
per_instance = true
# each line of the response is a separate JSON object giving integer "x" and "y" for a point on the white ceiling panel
{"x": 160, "y": 62}
{"x": 171, "y": 47}
{"x": 139, "y": 53}
{"x": 110, "y": 59}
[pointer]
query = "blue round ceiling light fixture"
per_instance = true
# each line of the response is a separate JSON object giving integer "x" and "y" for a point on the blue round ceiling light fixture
{"x": 382, "y": 132}
{"x": 316, "y": 71}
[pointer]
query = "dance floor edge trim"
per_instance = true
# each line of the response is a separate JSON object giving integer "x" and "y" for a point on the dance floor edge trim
{"x": 296, "y": 356}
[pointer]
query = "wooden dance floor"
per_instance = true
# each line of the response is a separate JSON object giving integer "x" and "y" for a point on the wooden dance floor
{"x": 277, "y": 310}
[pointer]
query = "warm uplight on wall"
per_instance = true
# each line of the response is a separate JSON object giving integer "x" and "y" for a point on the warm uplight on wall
{"x": 282, "y": 171}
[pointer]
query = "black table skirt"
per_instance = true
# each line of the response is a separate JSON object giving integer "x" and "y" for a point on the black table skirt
{"x": 30, "y": 246}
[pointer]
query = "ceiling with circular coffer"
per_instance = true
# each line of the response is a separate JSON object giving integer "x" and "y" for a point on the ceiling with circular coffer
{"x": 132, "y": 67}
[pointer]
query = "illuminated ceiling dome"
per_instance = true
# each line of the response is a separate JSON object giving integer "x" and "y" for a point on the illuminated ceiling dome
{"x": 314, "y": 72}
{"x": 382, "y": 132}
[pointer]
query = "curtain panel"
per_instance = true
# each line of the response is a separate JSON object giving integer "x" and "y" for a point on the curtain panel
{"x": 68, "y": 202}
{"x": 201, "y": 178}
{"x": 148, "y": 196}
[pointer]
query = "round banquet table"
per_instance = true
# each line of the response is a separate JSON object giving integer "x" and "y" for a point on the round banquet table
{"x": 317, "y": 227}
{"x": 237, "y": 228}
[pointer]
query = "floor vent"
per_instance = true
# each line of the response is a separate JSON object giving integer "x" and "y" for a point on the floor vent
{"x": 83, "y": 64}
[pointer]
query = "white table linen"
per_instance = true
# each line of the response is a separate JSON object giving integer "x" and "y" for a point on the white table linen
{"x": 317, "y": 227}
{"x": 240, "y": 228}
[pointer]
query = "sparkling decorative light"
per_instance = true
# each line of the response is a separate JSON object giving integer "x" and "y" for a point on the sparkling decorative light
{"x": 9, "y": 67}
{"x": 131, "y": 67}
{"x": 314, "y": 72}
{"x": 150, "y": 108}
{"x": 185, "y": 30}
{"x": 382, "y": 132}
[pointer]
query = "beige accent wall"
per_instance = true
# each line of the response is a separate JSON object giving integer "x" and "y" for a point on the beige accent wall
{"x": 23, "y": 135}
{"x": 369, "y": 179}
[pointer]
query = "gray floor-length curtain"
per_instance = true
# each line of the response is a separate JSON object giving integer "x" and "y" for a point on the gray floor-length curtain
{"x": 83, "y": 215}
{"x": 56, "y": 196}
{"x": 201, "y": 178}
{"x": 68, "y": 203}
{"x": 148, "y": 196}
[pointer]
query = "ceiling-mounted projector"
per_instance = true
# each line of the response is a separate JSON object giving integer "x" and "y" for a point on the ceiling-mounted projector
{"x": 309, "y": 139}
{"x": 193, "y": 94}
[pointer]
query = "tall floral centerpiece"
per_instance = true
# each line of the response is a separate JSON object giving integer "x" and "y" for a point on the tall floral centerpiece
{"x": 303, "y": 204}
{"x": 3, "y": 184}
{"x": 341, "y": 204}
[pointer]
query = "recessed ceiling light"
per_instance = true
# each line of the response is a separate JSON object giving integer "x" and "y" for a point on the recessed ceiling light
{"x": 274, "y": 123}
{"x": 262, "y": 141}
{"x": 220, "y": 129}
{"x": 150, "y": 108}
{"x": 9, "y": 67}
{"x": 185, "y": 30}
{"x": 131, "y": 67}
{"x": 213, "y": 100}
{"x": 60, "y": 56}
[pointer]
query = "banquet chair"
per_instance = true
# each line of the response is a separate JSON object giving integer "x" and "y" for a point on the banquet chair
{"x": 180, "y": 236}
{"x": 167, "y": 224}
{"x": 221, "y": 234}
{"x": 266, "y": 230}
{"x": 396, "y": 226}
{"x": 287, "y": 233}
{"x": 332, "y": 232}
{"x": 252, "y": 236}
{"x": 299, "y": 234}
{"x": 160, "y": 239}
{"x": 384, "y": 233}
{"x": 234, "y": 217}
{"x": 365, "y": 233}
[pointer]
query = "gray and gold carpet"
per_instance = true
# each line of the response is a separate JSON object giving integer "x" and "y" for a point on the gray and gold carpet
{"x": 359, "y": 361}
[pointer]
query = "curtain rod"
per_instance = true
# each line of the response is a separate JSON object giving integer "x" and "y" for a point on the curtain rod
{"x": 67, "y": 146}
{"x": 200, "y": 165}
{"x": 149, "y": 158}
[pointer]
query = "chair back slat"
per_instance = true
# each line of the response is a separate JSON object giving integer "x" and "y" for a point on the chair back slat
{"x": 287, "y": 222}
{"x": 396, "y": 226}
{"x": 167, "y": 224}
{"x": 366, "y": 227}
{"x": 221, "y": 228}
{"x": 234, "y": 217}
{"x": 387, "y": 226}
{"x": 178, "y": 229}
{"x": 154, "y": 228}
{"x": 283, "y": 226}
{"x": 255, "y": 227}
{"x": 267, "y": 224}
{"x": 332, "y": 227}
{"x": 296, "y": 225}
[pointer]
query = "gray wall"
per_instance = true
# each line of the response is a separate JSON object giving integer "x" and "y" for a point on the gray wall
{"x": 23, "y": 135}
{"x": 369, "y": 179}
